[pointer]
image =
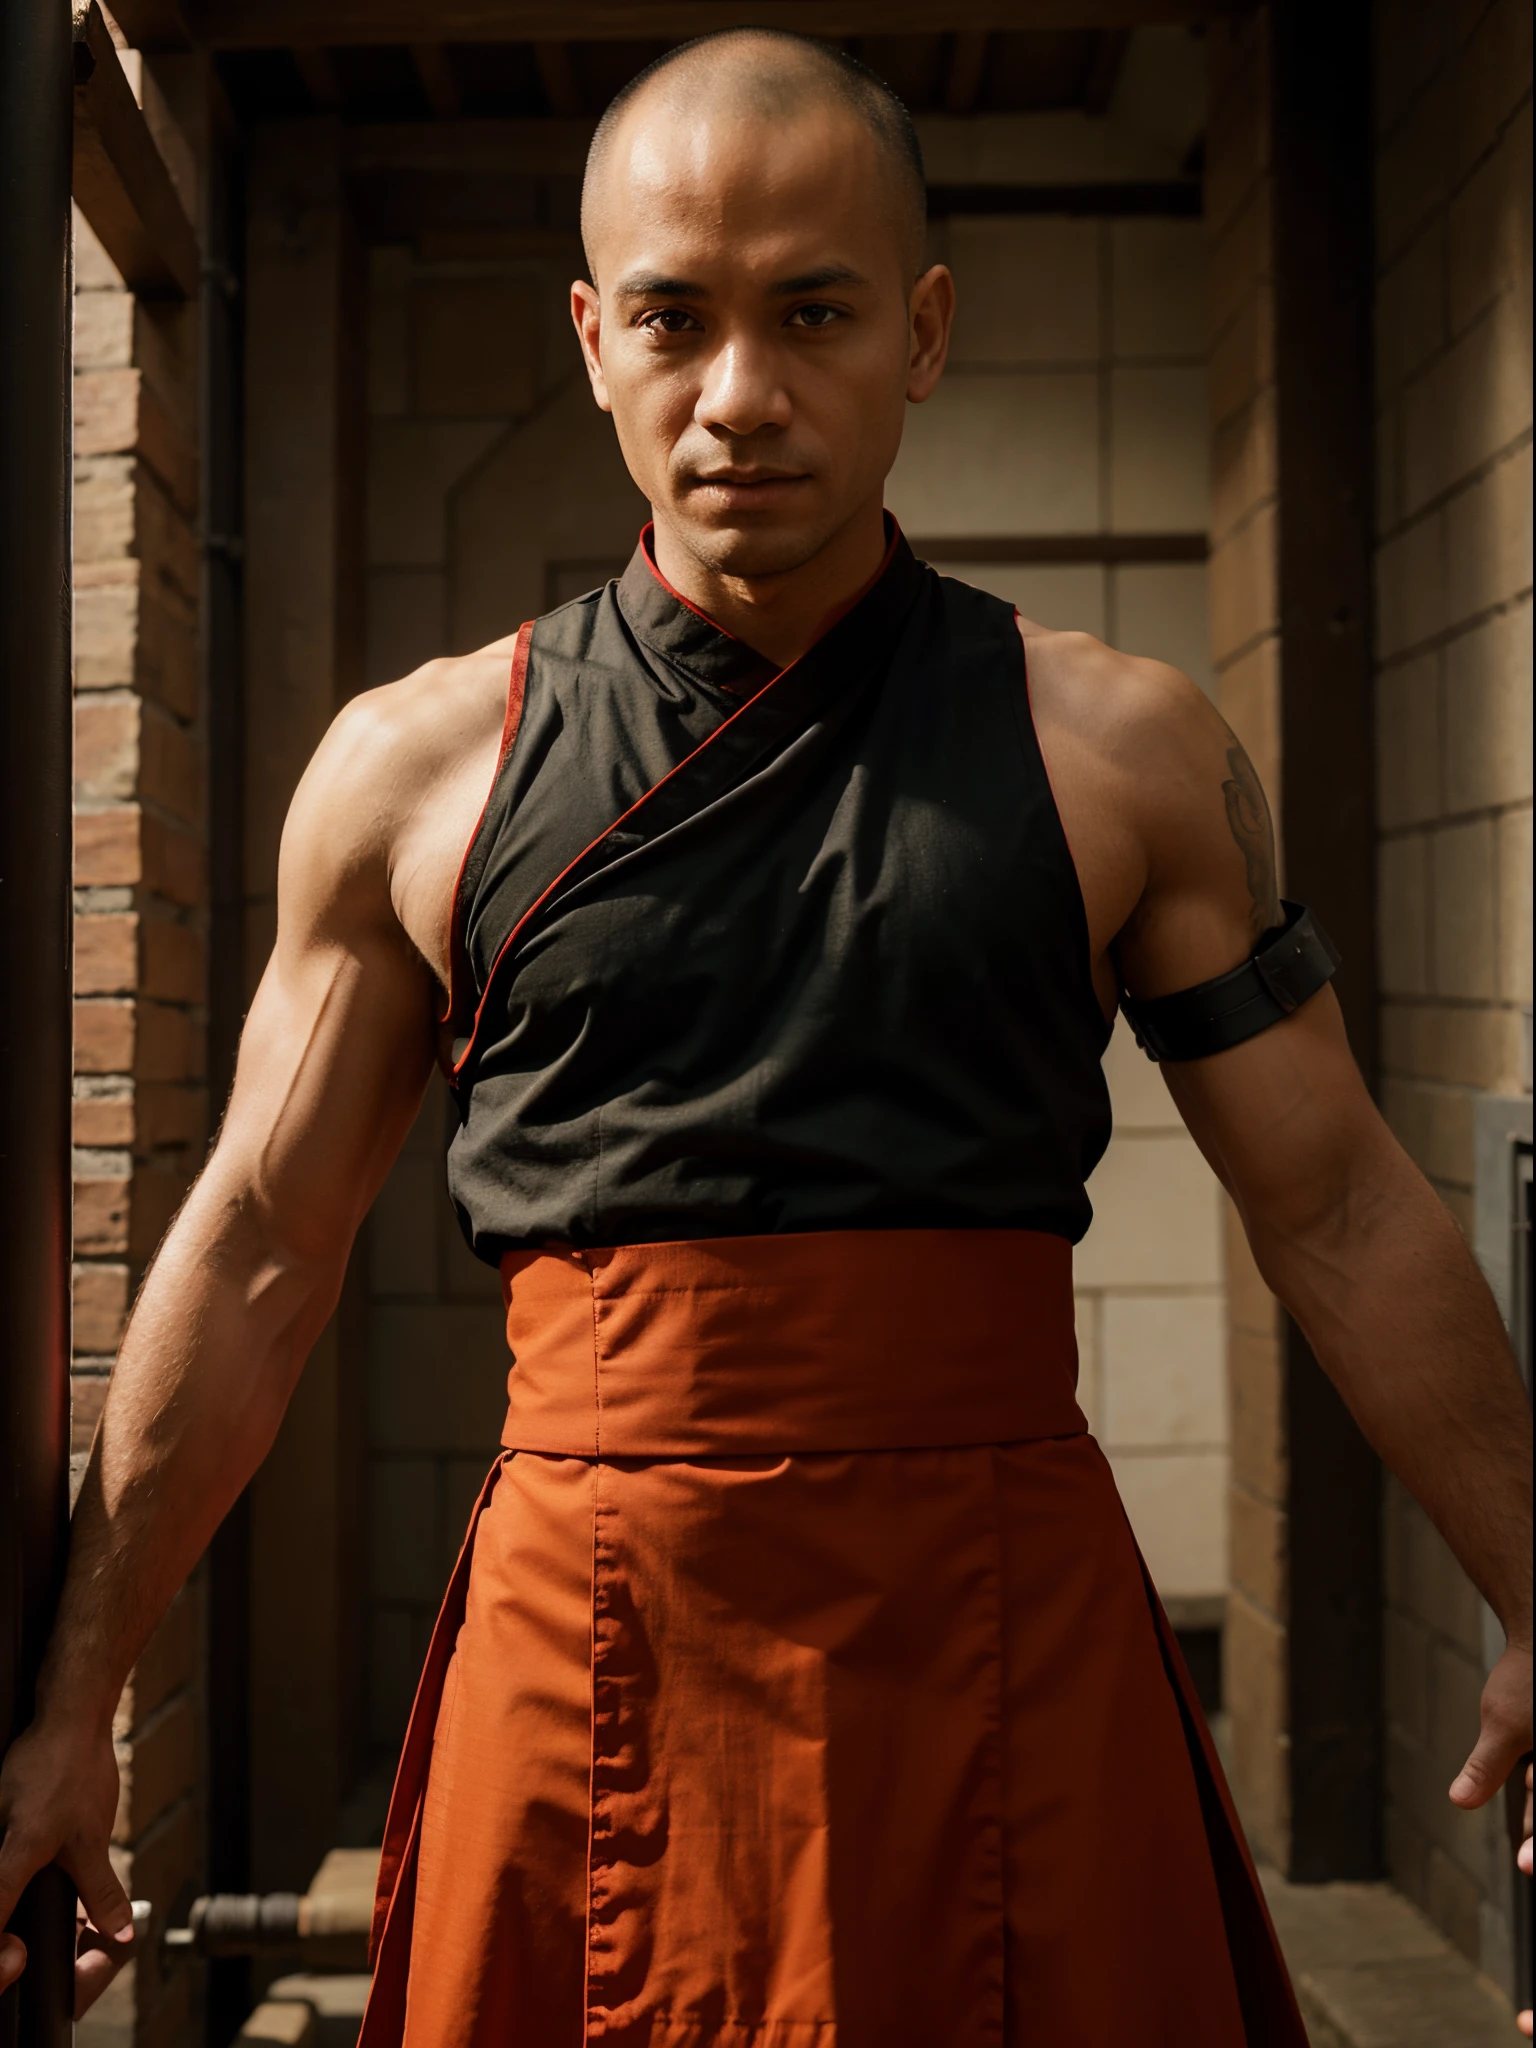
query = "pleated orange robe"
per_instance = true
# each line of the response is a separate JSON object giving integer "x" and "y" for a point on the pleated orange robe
{"x": 800, "y": 1685}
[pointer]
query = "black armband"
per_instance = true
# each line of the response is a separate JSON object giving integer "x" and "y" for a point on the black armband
{"x": 1289, "y": 964}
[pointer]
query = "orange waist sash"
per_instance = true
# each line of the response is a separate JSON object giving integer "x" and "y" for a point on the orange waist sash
{"x": 856, "y": 1340}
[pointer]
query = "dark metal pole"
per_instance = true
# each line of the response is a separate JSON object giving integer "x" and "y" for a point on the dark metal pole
{"x": 36, "y": 112}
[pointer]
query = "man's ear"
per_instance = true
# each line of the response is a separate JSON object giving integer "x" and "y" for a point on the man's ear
{"x": 587, "y": 318}
{"x": 931, "y": 314}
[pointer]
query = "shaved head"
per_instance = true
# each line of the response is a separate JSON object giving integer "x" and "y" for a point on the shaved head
{"x": 765, "y": 75}
{"x": 758, "y": 315}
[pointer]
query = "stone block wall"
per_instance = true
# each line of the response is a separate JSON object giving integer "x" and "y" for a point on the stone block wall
{"x": 1151, "y": 1325}
{"x": 140, "y": 1111}
{"x": 1073, "y": 404}
{"x": 1453, "y": 710}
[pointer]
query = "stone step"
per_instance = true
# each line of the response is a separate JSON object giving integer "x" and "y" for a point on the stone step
{"x": 1372, "y": 1972}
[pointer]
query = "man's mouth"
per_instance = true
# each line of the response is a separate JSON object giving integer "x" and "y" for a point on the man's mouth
{"x": 748, "y": 486}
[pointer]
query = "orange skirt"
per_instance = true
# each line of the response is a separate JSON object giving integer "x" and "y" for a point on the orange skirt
{"x": 800, "y": 1686}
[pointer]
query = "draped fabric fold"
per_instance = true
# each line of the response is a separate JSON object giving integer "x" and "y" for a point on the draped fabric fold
{"x": 800, "y": 1683}
{"x": 806, "y": 701}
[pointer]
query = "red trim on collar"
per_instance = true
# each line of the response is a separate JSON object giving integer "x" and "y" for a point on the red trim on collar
{"x": 648, "y": 549}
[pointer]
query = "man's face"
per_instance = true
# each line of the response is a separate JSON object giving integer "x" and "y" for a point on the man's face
{"x": 755, "y": 329}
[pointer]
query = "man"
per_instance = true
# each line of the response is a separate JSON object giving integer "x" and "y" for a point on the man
{"x": 799, "y": 1682}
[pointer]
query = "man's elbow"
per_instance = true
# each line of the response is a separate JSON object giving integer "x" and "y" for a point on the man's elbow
{"x": 1316, "y": 1225}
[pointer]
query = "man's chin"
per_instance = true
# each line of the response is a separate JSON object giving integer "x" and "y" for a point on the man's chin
{"x": 751, "y": 548}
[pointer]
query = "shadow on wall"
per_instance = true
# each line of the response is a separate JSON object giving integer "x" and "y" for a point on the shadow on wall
{"x": 548, "y": 512}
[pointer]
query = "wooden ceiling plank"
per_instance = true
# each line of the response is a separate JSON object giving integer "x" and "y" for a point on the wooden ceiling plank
{"x": 966, "y": 64}
{"x": 437, "y": 80}
{"x": 264, "y": 24}
{"x": 120, "y": 179}
{"x": 319, "y": 76}
{"x": 557, "y": 75}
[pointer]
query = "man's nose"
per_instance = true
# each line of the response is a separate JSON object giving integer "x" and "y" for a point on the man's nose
{"x": 743, "y": 391}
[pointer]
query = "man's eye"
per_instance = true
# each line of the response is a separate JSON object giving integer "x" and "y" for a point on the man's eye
{"x": 670, "y": 320}
{"x": 814, "y": 316}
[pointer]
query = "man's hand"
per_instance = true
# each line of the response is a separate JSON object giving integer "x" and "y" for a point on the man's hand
{"x": 1506, "y": 1730}
{"x": 1505, "y": 1738}
{"x": 58, "y": 1799}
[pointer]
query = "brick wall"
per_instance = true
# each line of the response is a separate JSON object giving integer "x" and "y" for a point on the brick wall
{"x": 1453, "y": 305}
{"x": 140, "y": 1113}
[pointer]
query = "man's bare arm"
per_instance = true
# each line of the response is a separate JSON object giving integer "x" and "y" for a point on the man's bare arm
{"x": 1345, "y": 1229}
{"x": 333, "y": 1063}
{"x": 1351, "y": 1237}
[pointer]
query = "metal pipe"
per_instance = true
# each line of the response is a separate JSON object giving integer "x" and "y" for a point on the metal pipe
{"x": 36, "y": 112}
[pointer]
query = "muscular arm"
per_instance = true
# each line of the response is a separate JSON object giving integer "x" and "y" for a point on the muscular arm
{"x": 332, "y": 1067}
{"x": 1352, "y": 1239}
{"x": 1346, "y": 1230}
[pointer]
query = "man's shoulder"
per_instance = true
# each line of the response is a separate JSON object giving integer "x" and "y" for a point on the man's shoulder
{"x": 427, "y": 718}
{"x": 1126, "y": 709}
{"x": 390, "y": 754}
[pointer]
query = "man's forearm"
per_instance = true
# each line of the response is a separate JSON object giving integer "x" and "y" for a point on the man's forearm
{"x": 210, "y": 1357}
{"x": 1399, "y": 1316}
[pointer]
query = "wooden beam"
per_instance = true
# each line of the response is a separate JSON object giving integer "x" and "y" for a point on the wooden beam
{"x": 121, "y": 183}
{"x": 557, "y": 75}
{"x": 319, "y": 76}
{"x": 486, "y": 149}
{"x": 263, "y": 24}
{"x": 437, "y": 80}
{"x": 965, "y": 70}
{"x": 153, "y": 25}
{"x": 532, "y": 148}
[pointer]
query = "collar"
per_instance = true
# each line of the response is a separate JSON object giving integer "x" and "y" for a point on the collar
{"x": 669, "y": 626}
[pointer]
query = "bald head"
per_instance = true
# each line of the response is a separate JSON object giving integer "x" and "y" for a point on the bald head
{"x": 763, "y": 76}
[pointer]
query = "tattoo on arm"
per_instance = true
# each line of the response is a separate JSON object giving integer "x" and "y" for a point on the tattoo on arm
{"x": 1249, "y": 822}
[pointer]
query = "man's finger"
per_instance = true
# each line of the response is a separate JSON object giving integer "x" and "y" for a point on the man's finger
{"x": 94, "y": 1971}
{"x": 13, "y": 1959}
{"x": 1497, "y": 1751}
{"x": 103, "y": 1897}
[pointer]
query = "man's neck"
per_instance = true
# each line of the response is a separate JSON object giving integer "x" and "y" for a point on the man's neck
{"x": 780, "y": 615}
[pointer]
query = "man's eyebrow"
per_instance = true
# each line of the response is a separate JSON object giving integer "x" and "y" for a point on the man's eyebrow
{"x": 653, "y": 284}
{"x": 817, "y": 280}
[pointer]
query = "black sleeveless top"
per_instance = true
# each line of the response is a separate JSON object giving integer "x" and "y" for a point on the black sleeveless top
{"x": 739, "y": 951}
